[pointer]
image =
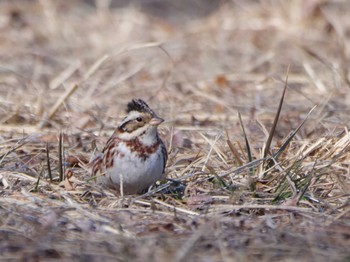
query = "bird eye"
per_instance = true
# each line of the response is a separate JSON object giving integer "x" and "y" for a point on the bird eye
{"x": 139, "y": 119}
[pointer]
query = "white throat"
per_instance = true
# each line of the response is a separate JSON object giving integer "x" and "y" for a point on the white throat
{"x": 149, "y": 137}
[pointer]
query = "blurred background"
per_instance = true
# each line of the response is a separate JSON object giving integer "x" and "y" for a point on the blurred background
{"x": 175, "y": 12}
{"x": 191, "y": 58}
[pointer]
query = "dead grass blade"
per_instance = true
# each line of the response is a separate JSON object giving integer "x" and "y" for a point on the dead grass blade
{"x": 94, "y": 68}
{"x": 275, "y": 121}
{"x": 48, "y": 162}
{"x": 71, "y": 90}
{"x": 227, "y": 208}
{"x": 60, "y": 102}
{"x": 18, "y": 145}
{"x": 174, "y": 208}
{"x": 63, "y": 76}
{"x": 240, "y": 169}
{"x": 60, "y": 157}
{"x": 214, "y": 148}
{"x": 245, "y": 138}
{"x": 36, "y": 188}
{"x": 249, "y": 154}
{"x": 233, "y": 150}
{"x": 291, "y": 135}
{"x": 219, "y": 179}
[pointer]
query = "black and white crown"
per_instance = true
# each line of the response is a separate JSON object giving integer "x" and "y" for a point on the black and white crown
{"x": 138, "y": 105}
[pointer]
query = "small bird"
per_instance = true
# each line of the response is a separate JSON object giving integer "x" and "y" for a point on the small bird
{"x": 134, "y": 157}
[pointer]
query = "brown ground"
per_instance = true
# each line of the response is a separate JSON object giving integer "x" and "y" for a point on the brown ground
{"x": 70, "y": 67}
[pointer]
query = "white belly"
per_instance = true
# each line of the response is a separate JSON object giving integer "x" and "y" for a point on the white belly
{"x": 135, "y": 174}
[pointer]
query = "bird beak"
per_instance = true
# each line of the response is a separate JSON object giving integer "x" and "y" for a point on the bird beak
{"x": 155, "y": 121}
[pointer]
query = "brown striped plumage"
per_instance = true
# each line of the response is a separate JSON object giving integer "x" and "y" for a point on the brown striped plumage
{"x": 134, "y": 157}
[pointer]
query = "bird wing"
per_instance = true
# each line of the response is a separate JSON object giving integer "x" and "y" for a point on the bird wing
{"x": 104, "y": 160}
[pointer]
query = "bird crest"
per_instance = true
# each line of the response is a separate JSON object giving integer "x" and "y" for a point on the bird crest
{"x": 138, "y": 105}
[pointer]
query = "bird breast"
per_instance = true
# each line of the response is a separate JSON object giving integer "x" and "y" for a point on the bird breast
{"x": 134, "y": 166}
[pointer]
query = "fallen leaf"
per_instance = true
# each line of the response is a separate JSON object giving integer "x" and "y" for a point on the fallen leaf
{"x": 75, "y": 161}
{"x": 68, "y": 185}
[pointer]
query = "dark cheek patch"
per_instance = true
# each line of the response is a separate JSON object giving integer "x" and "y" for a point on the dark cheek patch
{"x": 131, "y": 126}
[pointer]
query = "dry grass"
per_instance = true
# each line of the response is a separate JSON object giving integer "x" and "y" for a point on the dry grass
{"x": 68, "y": 68}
